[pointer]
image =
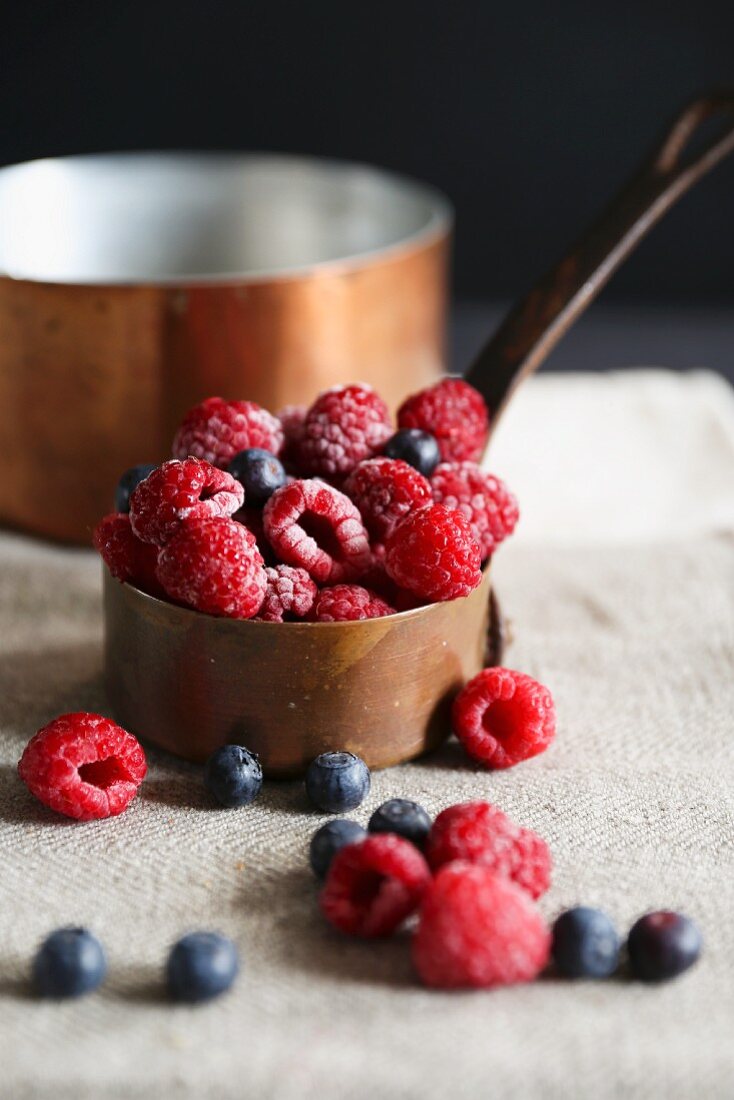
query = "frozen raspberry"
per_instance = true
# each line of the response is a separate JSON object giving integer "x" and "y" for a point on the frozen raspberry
{"x": 289, "y": 595}
{"x": 214, "y": 565}
{"x": 371, "y": 887}
{"x": 455, "y": 413}
{"x": 345, "y": 425}
{"x": 84, "y": 766}
{"x": 217, "y": 430}
{"x": 346, "y": 603}
{"x": 313, "y": 525}
{"x": 126, "y": 557}
{"x": 291, "y": 419}
{"x": 478, "y": 930}
{"x": 477, "y": 832}
{"x": 482, "y": 498}
{"x": 177, "y": 491}
{"x": 385, "y": 490}
{"x": 502, "y": 717}
{"x": 433, "y": 553}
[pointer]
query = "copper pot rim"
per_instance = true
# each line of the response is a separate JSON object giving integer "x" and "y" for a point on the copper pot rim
{"x": 438, "y": 225}
{"x": 175, "y": 610}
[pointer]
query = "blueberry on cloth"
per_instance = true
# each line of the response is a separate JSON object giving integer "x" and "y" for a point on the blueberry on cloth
{"x": 337, "y": 781}
{"x": 585, "y": 943}
{"x": 129, "y": 481}
{"x": 69, "y": 963}
{"x": 403, "y": 817}
{"x": 419, "y": 449}
{"x": 233, "y": 776}
{"x": 327, "y": 841}
{"x": 201, "y": 966}
{"x": 662, "y": 945}
{"x": 259, "y": 472}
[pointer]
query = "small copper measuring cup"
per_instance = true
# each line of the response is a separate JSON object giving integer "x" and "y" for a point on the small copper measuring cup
{"x": 380, "y": 688}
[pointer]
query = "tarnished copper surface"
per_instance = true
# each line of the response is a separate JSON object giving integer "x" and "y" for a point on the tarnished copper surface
{"x": 95, "y": 379}
{"x": 381, "y": 688}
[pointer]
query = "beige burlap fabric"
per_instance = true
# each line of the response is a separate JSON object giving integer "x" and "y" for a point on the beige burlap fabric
{"x": 631, "y": 628}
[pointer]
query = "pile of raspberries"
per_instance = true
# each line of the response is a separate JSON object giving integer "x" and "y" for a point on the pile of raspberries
{"x": 350, "y": 532}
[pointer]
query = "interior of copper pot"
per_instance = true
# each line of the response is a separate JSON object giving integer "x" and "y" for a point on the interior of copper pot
{"x": 193, "y": 217}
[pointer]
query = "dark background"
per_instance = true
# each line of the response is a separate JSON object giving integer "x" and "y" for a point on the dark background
{"x": 528, "y": 115}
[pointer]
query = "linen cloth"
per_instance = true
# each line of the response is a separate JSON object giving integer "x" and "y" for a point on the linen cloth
{"x": 619, "y": 586}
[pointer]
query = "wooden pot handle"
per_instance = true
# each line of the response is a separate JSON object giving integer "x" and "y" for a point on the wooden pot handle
{"x": 534, "y": 326}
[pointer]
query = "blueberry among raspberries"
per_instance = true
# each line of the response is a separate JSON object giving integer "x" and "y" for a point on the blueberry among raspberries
{"x": 201, "y": 966}
{"x": 129, "y": 481}
{"x": 585, "y": 944}
{"x": 233, "y": 776}
{"x": 329, "y": 839}
{"x": 402, "y": 817}
{"x": 69, "y": 963}
{"x": 259, "y": 472}
{"x": 662, "y": 945}
{"x": 337, "y": 782}
{"x": 419, "y": 449}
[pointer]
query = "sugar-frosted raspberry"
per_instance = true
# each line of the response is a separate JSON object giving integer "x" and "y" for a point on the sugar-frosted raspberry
{"x": 454, "y": 413}
{"x": 433, "y": 553}
{"x": 478, "y": 832}
{"x": 386, "y": 490}
{"x": 486, "y": 501}
{"x": 214, "y": 565}
{"x": 126, "y": 557}
{"x": 177, "y": 491}
{"x": 291, "y": 419}
{"x": 344, "y": 425}
{"x": 217, "y": 430}
{"x": 502, "y": 717}
{"x": 371, "y": 887}
{"x": 478, "y": 930}
{"x": 289, "y": 595}
{"x": 347, "y": 603}
{"x": 312, "y": 525}
{"x": 84, "y": 766}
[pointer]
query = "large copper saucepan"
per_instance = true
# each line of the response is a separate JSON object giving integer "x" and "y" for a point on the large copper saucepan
{"x": 134, "y": 285}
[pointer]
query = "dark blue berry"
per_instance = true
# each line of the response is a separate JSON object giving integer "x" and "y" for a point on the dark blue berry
{"x": 233, "y": 776}
{"x": 69, "y": 963}
{"x": 417, "y": 448}
{"x": 337, "y": 781}
{"x": 403, "y": 817}
{"x": 327, "y": 841}
{"x": 662, "y": 945}
{"x": 259, "y": 472}
{"x": 201, "y": 966}
{"x": 129, "y": 481}
{"x": 585, "y": 944}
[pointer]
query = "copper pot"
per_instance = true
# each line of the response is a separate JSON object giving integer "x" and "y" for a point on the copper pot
{"x": 134, "y": 285}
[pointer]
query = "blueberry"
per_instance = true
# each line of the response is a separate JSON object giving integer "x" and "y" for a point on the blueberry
{"x": 201, "y": 966}
{"x": 69, "y": 963}
{"x": 417, "y": 448}
{"x": 662, "y": 945}
{"x": 585, "y": 943}
{"x": 233, "y": 776}
{"x": 259, "y": 472}
{"x": 327, "y": 841}
{"x": 337, "y": 781}
{"x": 129, "y": 481}
{"x": 403, "y": 817}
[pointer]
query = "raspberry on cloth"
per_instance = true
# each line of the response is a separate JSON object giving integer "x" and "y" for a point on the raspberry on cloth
{"x": 213, "y": 565}
{"x": 373, "y": 886}
{"x": 502, "y": 717}
{"x": 181, "y": 490}
{"x": 84, "y": 766}
{"x": 454, "y": 413}
{"x": 315, "y": 526}
{"x": 216, "y": 430}
{"x": 344, "y": 425}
